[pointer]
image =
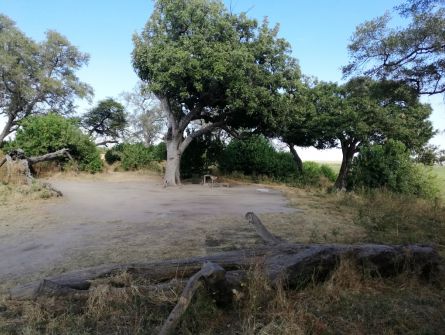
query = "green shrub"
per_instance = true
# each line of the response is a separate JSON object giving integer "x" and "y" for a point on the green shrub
{"x": 39, "y": 135}
{"x": 255, "y": 156}
{"x": 136, "y": 156}
{"x": 328, "y": 172}
{"x": 390, "y": 166}
{"x": 314, "y": 172}
{"x": 112, "y": 156}
{"x": 160, "y": 152}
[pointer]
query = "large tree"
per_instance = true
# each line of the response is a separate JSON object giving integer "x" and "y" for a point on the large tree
{"x": 364, "y": 111}
{"x": 209, "y": 69}
{"x": 106, "y": 121}
{"x": 146, "y": 120}
{"x": 414, "y": 53}
{"x": 36, "y": 77}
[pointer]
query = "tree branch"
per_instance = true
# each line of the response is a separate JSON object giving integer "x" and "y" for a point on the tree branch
{"x": 198, "y": 133}
{"x": 51, "y": 156}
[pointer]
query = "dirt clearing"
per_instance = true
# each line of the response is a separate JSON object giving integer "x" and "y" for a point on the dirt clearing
{"x": 125, "y": 217}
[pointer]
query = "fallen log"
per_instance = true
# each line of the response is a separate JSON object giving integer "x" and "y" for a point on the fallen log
{"x": 296, "y": 264}
{"x": 19, "y": 165}
{"x": 49, "y": 157}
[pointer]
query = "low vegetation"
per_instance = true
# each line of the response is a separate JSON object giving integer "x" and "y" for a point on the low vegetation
{"x": 349, "y": 302}
{"x": 39, "y": 135}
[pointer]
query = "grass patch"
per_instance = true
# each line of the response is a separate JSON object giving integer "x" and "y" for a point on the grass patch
{"x": 13, "y": 194}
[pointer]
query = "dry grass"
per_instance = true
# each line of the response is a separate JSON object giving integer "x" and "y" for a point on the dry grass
{"x": 16, "y": 194}
{"x": 349, "y": 302}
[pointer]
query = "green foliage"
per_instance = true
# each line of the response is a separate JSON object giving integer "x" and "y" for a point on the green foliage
{"x": 201, "y": 153}
{"x": 430, "y": 155}
{"x": 206, "y": 63}
{"x": 112, "y": 156}
{"x": 312, "y": 172}
{"x": 37, "y": 77}
{"x": 389, "y": 166}
{"x": 106, "y": 120}
{"x": 160, "y": 151}
{"x": 255, "y": 156}
{"x": 39, "y": 135}
{"x": 366, "y": 111}
{"x": 136, "y": 156}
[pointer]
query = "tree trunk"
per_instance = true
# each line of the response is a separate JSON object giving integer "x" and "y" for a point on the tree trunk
{"x": 172, "y": 169}
{"x": 297, "y": 159}
{"x": 348, "y": 150}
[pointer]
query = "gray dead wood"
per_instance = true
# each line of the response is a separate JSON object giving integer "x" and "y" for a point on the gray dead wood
{"x": 261, "y": 230}
{"x": 210, "y": 275}
{"x": 293, "y": 263}
{"x": 50, "y": 156}
{"x": 18, "y": 157}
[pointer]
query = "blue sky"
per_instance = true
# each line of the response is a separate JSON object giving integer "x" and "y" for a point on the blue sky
{"x": 318, "y": 30}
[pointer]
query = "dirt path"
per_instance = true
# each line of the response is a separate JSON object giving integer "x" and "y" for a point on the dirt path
{"x": 125, "y": 217}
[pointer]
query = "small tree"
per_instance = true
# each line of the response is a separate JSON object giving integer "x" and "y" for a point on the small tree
{"x": 107, "y": 121}
{"x": 365, "y": 111}
{"x": 37, "y": 77}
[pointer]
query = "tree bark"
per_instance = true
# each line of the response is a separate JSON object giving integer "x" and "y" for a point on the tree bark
{"x": 297, "y": 159}
{"x": 176, "y": 142}
{"x": 348, "y": 151}
{"x": 173, "y": 164}
{"x": 6, "y": 129}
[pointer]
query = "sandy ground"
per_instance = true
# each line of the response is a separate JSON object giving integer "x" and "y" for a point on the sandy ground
{"x": 126, "y": 217}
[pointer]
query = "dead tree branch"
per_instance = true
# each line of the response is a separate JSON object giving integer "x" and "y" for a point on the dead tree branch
{"x": 210, "y": 274}
{"x": 261, "y": 230}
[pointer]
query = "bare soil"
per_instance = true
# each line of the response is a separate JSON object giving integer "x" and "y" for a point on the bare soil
{"x": 130, "y": 217}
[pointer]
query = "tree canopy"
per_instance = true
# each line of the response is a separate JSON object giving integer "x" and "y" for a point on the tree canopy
{"x": 107, "y": 121}
{"x": 414, "y": 53}
{"x": 37, "y": 77}
{"x": 209, "y": 68}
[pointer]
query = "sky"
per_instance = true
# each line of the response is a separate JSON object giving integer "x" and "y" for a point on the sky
{"x": 318, "y": 31}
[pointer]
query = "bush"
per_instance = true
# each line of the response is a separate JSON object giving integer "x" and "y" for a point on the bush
{"x": 314, "y": 172}
{"x": 39, "y": 135}
{"x": 136, "y": 156}
{"x": 255, "y": 156}
{"x": 112, "y": 156}
{"x": 389, "y": 166}
{"x": 160, "y": 152}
